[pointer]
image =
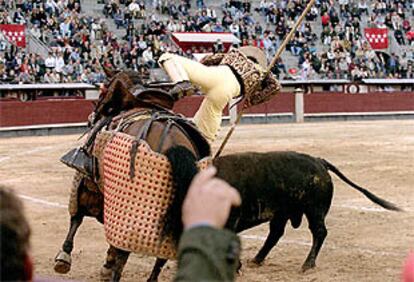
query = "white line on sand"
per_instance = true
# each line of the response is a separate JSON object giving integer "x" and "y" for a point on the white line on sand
{"x": 249, "y": 237}
{"x": 347, "y": 206}
{"x": 25, "y": 153}
{"x": 329, "y": 246}
{"x": 42, "y": 202}
{"x": 360, "y": 208}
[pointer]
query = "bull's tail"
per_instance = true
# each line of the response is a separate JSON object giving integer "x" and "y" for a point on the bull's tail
{"x": 183, "y": 163}
{"x": 377, "y": 200}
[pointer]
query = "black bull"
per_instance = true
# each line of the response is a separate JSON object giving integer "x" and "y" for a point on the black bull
{"x": 278, "y": 187}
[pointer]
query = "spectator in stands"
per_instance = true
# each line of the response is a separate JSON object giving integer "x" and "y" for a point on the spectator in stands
{"x": 392, "y": 65}
{"x": 218, "y": 47}
{"x": 119, "y": 18}
{"x": 218, "y": 27}
{"x": 2, "y": 67}
{"x": 56, "y": 77}
{"x": 59, "y": 63}
{"x": 325, "y": 19}
{"x": 48, "y": 78}
{"x": 200, "y": 4}
{"x": 134, "y": 9}
{"x": 363, "y": 7}
{"x": 148, "y": 58}
{"x": 50, "y": 61}
{"x": 19, "y": 17}
{"x": 410, "y": 37}
{"x": 399, "y": 36}
{"x": 279, "y": 68}
{"x": 306, "y": 69}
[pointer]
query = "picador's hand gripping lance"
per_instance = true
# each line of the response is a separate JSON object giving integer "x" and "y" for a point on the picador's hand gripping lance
{"x": 268, "y": 70}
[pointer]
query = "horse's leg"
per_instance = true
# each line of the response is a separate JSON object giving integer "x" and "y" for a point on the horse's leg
{"x": 63, "y": 259}
{"x": 106, "y": 270}
{"x": 156, "y": 270}
{"x": 121, "y": 258}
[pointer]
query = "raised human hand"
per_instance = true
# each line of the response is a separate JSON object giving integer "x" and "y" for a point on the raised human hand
{"x": 209, "y": 200}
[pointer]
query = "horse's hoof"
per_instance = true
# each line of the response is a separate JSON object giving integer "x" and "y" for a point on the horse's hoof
{"x": 106, "y": 274}
{"x": 63, "y": 262}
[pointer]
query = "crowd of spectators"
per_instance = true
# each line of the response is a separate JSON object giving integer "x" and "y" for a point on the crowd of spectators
{"x": 70, "y": 36}
{"x": 80, "y": 44}
{"x": 348, "y": 54}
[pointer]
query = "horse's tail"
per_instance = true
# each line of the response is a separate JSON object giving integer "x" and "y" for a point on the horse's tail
{"x": 183, "y": 163}
{"x": 377, "y": 200}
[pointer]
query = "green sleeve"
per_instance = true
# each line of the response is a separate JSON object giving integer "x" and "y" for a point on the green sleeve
{"x": 208, "y": 254}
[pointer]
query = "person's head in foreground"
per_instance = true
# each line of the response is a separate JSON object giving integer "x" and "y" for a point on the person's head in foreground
{"x": 16, "y": 264}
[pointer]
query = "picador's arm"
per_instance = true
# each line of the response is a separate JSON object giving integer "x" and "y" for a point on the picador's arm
{"x": 269, "y": 87}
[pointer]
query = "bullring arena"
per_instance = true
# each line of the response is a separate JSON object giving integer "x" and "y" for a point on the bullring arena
{"x": 364, "y": 243}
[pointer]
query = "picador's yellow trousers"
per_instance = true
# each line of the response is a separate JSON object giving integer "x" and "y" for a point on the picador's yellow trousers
{"x": 221, "y": 77}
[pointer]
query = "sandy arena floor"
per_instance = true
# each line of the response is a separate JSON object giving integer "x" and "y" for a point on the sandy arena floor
{"x": 364, "y": 243}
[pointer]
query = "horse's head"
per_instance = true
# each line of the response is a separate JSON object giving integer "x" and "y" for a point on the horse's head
{"x": 116, "y": 94}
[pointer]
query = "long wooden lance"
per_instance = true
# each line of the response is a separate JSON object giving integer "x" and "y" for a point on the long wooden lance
{"x": 268, "y": 70}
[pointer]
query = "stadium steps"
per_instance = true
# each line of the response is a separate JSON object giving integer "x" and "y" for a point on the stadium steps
{"x": 95, "y": 9}
{"x": 36, "y": 46}
{"x": 290, "y": 60}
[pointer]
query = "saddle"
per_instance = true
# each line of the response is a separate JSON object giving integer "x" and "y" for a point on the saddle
{"x": 158, "y": 104}
{"x": 155, "y": 97}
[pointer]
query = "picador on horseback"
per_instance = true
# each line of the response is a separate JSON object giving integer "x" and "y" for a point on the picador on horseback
{"x": 240, "y": 73}
{"x": 133, "y": 122}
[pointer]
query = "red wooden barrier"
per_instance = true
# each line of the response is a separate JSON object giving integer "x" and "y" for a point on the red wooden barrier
{"x": 16, "y": 113}
{"x": 370, "y": 102}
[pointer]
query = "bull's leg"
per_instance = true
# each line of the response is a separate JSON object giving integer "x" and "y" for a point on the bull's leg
{"x": 106, "y": 270}
{"x": 63, "y": 259}
{"x": 159, "y": 264}
{"x": 121, "y": 258}
{"x": 319, "y": 232}
{"x": 277, "y": 229}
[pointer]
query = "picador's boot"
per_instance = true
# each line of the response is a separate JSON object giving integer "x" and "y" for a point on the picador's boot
{"x": 182, "y": 89}
{"x": 177, "y": 73}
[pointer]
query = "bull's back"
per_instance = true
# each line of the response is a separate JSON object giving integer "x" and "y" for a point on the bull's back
{"x": 288, "y": 171}
{"x": 272, "y": 182}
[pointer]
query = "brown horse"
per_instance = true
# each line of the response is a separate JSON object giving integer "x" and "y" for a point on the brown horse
{"x": 158, "y": 126}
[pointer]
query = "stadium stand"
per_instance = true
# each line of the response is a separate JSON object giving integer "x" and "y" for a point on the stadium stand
{"x": 76, "y": 38}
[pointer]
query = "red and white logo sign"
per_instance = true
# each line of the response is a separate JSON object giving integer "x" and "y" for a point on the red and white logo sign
{"x": 377, "y": 37}
{"x": 14, "y": 33}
